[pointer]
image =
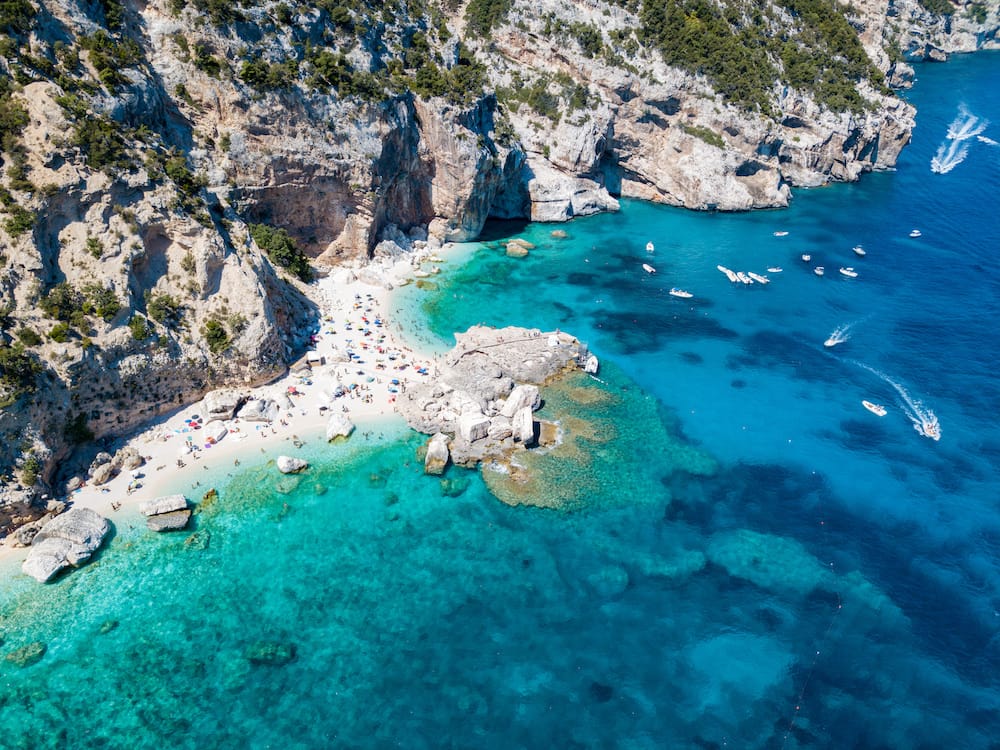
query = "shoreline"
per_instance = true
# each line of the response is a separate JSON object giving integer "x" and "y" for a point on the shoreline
{"x": 350, "y": 299}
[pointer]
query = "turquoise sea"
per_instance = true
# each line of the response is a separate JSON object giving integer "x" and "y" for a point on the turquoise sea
{"x": 742, "y": 556}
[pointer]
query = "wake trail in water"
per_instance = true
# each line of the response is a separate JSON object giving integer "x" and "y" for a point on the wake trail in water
{"x": 924, "y": 420}
{"x": 988, "y": 141}
{"x": 953, "y": 150}
{"x": 839, "y": 336}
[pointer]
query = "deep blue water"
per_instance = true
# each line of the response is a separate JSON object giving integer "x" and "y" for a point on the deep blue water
{"x": 751, "y": 559}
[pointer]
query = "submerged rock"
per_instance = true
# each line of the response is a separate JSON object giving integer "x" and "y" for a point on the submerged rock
{"x": 66, "y": 540}
{"x": 199, "y": 540}
{"x": 28, "y": 654}
{"x": 272, "y": 653}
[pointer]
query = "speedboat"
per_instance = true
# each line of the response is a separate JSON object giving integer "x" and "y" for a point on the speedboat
{"x": 729, "y": 274}
{"x": 743, "y": 277}
{"x": 675, "y": 292}
{"x": 806, "y": 257}
{"x": 781, "y": 234}
{"x": 874, "y": 408}
{"x": 774, "y": 269}
{"x": 758, "y": 278}
{"x": 849, "y": 272}
{"x": 929, "y": 427}
{"x": 859, "y": 251}
{"x": 648, "y": 268}
{"x": 649, "y": 247}
{"x": 819, "y": 270}
{"x": 914, "y": 233}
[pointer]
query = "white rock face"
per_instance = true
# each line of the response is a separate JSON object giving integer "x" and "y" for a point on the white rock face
{"x": 166, "y": 504}
{"x": 520, "y": 397}
{"x": 339, "y": 426}
{"x": 437, "y": 454}
{"x": 290, "y": 464}
{"x": 523, "y": 426}
{"x": 69, "y": 539}
{"x": 259, "y": 410}
{"x": 473, "y": 426}
{"x": 222, "y": 403}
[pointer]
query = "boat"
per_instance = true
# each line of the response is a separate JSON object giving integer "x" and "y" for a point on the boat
{"x": 819, "y": 270}
{"x": 874, "y": 408}
{"x": 806, "y": 257}
{"x": 743, "y": 277}
{"x": 781, "y": 234}
{"x": 729, "y": 274}
{"x": 774, "y": 269}
{"x": 649, "y": 247}
{"x": 859, "y": 251}
{"x": 914, "y": 233}
{"x": 648, "y": 268}
{"x": 758, "y": 278}
{"x": 849, "y": 272}
{"x": 675, "y": 292}
{"x": 929, "y": 427}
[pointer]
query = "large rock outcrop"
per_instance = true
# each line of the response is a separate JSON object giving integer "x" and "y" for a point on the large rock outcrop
{"x": 67, "y": 540}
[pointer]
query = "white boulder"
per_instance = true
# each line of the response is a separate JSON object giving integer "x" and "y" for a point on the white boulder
{"x": 221, "y": 404}
{"x": 259, "y": 410}
{"x": 339, "y": 426}
{"x": 165, "y": 504}
{"x": 523, "y": 426}
{"x": 290, "y": 464}
{"x": 473, "y": 426}
{"x": 521, "y": 396}
{"x": 68, "y": 539}
{"x": 437, "y": 454}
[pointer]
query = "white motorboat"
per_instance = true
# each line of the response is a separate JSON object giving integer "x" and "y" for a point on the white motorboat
{"x": 819, "y": 270}
{"x": 859, "y": 251}
{"x": 929, "y": 427}
{"x": 781, "y": 234}
{"x": 648, "y": 268}
{"x": 649, "y": 247}
{"x": 774, "y": 269}
{"x": 675, "y": 292}
{"x": 914, "y": 233}
{"x": 849, "y": 272}
{"x": 729, "y": 274}
{"x": 758, "y": 278}
{"x": 806, "y": 257}
{"x": 877, "y": 409}
{"x": 743, "y": 277}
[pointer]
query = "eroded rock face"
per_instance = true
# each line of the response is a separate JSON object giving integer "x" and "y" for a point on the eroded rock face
{"x": 67, "y": 540}
{"x": 437, "y": 454}
{"x": 222, "y": 403}
{"x": 166, "y": 504}
{"x": 173, "y": 521}
{"x": 339, "y": 425}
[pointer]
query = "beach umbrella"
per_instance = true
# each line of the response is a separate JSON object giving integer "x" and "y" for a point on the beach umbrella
{"x": 394, "y": 381}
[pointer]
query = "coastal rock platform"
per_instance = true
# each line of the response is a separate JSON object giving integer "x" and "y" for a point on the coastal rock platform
{"x": 486, "y": 392}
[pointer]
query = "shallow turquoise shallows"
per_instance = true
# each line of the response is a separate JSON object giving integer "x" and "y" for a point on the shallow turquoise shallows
{"x": 742, "y": 555}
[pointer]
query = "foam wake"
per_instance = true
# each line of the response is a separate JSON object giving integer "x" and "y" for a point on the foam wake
{"x": 953, "y": 150}
{"x": 924, "y": 420}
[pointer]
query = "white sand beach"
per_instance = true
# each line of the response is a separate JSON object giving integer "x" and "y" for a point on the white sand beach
{"x": 359, "y": 350}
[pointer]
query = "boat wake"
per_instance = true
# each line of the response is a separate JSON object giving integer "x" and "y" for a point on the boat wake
{"x": 839, "y": 336}
{"x": 954, "y": 149}
{"x": 924, "y": 420}
{"x": 988, "y": 141}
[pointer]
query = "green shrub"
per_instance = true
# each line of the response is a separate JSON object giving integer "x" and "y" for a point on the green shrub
{"x": 163, "y": 308}
{"x": 177, "y": 170}
{"x": 940, "y": 7}
{"x": 76, "y": 429}
{"x": 977, "y": 13}
{"x": 28, "y": 337}
{"x": 215, "y": 336}
{"x": 59, "y": 333}
{"x": 31, "y": 467}
{"x": 140, "y": 328}
{"x": 18, "y": 369}
{"x": 13, "y": 118}
{"x": 62, "y": 302}
{"x": 709, "y": 136}
{"x": 281, "y": 249}
{"x": 94, "y": 247}
{"x": 101, "y": 301}
{"x": 102, "y": 143}
{"x": 483, "y": 15}
{"x": 16, "y": 16}
{"x": 19, "y": 221}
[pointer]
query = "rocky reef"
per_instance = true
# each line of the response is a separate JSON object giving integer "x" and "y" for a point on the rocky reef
{"x": 480, "y": 404}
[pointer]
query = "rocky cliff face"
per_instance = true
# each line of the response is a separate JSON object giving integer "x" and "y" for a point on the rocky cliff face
{"x": 141, "y": 143}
